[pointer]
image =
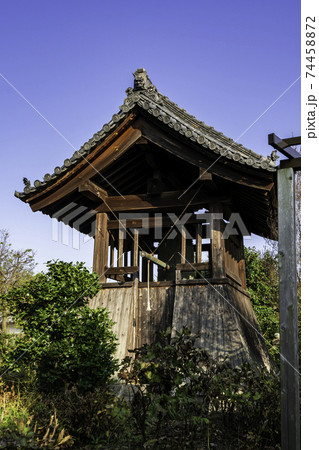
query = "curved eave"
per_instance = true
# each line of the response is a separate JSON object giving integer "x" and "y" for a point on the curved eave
{"x": 170, "y": 115}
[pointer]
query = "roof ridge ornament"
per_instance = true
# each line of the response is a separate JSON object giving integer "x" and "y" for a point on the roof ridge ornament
{"x": 142, "y": 80}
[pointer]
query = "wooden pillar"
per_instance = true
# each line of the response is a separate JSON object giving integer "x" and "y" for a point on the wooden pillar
{"x": 120, "y": 248}
{"x": 217, "y": 253}
{"x": 241, "y": 263}
{"x": 289, "y": 366}
{"x": 101, "y": 244}
{"x": 135, "y": 262}
{"x": 183, "y": 245}
{"x": 199, "y": 242}
{"x": 112, "y": 251}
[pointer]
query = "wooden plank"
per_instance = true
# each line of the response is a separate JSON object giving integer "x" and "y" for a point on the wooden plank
{"x": 121, "y": 270}
{"x": 101, "y": 242}
{"x": 290, "y": 405}
{"x": 233, "y": 276}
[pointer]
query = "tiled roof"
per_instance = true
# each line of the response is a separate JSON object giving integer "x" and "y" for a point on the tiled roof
{"x": 144, "y": 95}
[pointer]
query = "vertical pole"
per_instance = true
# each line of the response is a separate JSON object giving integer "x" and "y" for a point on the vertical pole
{"x": 289, "y": 367}
{"x": 101, "y": 244}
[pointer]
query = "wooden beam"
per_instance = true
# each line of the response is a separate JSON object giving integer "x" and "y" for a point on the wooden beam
{"x": 101, "y": 243}
{"x": 93, "y": 191}
{"x": 89, "y": 169}
{"x": 295, "y": 140}
{"x": 191, "y": 267}
{"x": 145, "y": 202}
{"x": 204, "y": 175}
{"x": 294, "y": 163}
{"x": 155, "y": 260}
{"x": 150, "y": 222}
{"x": 289, "y": 361}
{"x": 283, "y": 146}
{"x": 240, "y": 174}
{"x": 120, "y": 270}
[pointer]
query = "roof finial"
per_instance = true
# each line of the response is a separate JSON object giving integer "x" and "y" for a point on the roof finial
{"x": 26, "y": 182}
{"x": 141, "y": 80}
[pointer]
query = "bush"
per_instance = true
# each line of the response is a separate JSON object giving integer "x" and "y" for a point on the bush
{"x": 63, "y": 340}
{"x": 182, "y": 399}
{"x": 20, "y": 430}
{"x": 263, "y": 287}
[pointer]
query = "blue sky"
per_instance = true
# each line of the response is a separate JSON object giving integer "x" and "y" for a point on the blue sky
{"x": 224, "y": 62}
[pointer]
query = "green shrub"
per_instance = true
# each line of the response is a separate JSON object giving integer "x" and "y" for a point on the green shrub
{"x": 263, "y": 287}
{"x": 183, "y": 399}
{"x": 63, "y": 340}
{"x": 20, "y": 430}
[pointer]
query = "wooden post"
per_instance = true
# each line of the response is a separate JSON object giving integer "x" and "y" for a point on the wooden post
{"x": 120, "y": 248}
{"x": 183, "y": 245}
{"x": 241, "y": 264}
{"x": 135, "y": 261}
{"x": 199, "y": 243}
{"x": 217, "y": 253}
{"x": 101, "y": 244}
{"x": 289, "y": 367}
{"x": 112, "y": 251}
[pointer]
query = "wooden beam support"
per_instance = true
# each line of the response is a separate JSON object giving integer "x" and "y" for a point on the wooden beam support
{"x": 289, "y": 361}
{"x": 156, "y": 261}
{"x": 101, "y": 243}
{"x": 93, "y": 191}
